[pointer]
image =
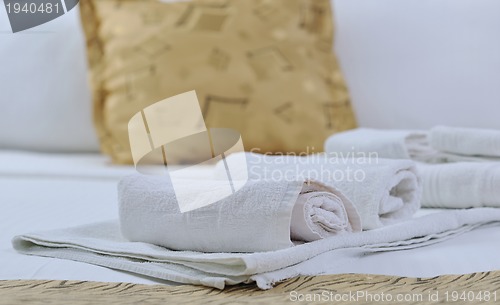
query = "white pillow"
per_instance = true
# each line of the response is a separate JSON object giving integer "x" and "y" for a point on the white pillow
{"x": 419, "y": 63}
{"x": 45, "y": 100}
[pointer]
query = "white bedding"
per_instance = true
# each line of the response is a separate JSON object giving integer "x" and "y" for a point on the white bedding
{"x": 39, "y": 192}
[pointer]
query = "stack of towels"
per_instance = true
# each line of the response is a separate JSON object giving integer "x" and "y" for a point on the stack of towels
{"x": 292, "y": 209}
{"x": 459, "y": 167}
{"x": 287, "y": 200}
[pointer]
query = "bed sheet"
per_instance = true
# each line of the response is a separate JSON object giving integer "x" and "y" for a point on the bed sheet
{"x": 48, "y": 191}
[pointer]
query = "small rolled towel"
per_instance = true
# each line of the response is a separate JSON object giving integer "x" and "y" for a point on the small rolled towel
{"x": 460, "y": 185}
{"x": 320, "y": 213}
{"x": 261, "y": 216}
{"x": 466, "y": 141}
{"x": 383, "y": 191}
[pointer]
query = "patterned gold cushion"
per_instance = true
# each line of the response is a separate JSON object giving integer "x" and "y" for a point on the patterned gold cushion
{"x": 263, "y": 67}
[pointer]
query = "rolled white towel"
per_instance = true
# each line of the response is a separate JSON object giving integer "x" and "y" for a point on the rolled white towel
{"x": 261, "y": 216}
{"x": 466, "y": 141}
{"x": 460, "y": 185}
{"x": 320, "y": 213}
{"x": 383, "y": 191}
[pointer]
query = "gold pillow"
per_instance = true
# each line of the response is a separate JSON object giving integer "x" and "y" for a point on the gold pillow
{"x": 262, "y": 67}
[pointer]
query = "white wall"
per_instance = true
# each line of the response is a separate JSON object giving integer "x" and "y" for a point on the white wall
{"x": 417, "y": 63}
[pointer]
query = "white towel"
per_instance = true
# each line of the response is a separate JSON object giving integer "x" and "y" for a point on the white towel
{"x": 102, "y": 244}
{"x": 392, "y": 144}
{"x": 262, "y": 216}
{"x": 461, "y": 181}
{"x": 466, "y": 141}
{"x": 383, "y": 191}
{"x": 322, "y": 212}
{"x": 460, "y": 185}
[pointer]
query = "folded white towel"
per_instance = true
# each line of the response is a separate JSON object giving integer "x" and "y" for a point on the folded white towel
{"x": 383, "y": 191}
{"x": 392, "y": 144}
{"x": 102, "y": 244}
{"x": 462, "y": 181}
{"x": 466, "y": 141}
{"x": 262, "y": 216}
{"x": 460, "y": 185}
